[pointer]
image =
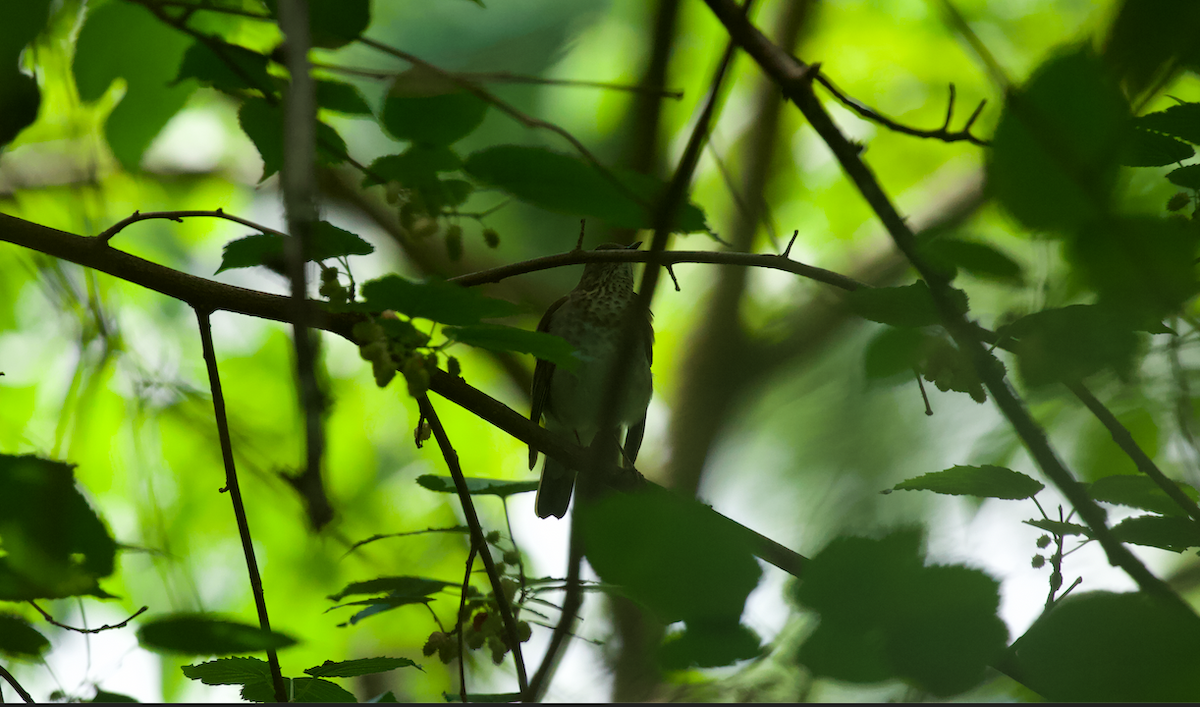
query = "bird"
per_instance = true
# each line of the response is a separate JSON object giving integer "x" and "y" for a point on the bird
{"x": 590, "y": 317}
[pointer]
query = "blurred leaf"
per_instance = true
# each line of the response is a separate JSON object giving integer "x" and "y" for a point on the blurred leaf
{"x": 427, "y": 109}
{"x": 19, "y": 94}
{"x": 1148, "y": 36}
{"x": 569, "y": 185}
{"x": 300, "y": 689}
{"x": 477, "y": 486}
{"x": 226, "y": 67}
{"x": 327, "y": 241}
{"x": 496, "y": 337}
{"x": 982, "y": 481}
{"x": 341, "y": 97}
{"x": 436, "y": 300}
{"x": 1055, "y": 153}
{"x": 333, "y": 23}
{"x": 263, "y": 124}
{"x": 202, "y": 634}
{"x": 106, "y": 696}
{"x": 115, "y": 41}
{"x": 1139, "y": 492}
{"x": 1105, "y": 647}
{"x": 1181, "y": 121}
{"x": 1060, "y": 528}
{"x": 979, "y": 259}
{"x": 907, "y": 306}
{"x": 709, "y": 645}
{"x": 415, "y": 166}
{"x": 895, "y": 351}
{"x": 1098, "y": 456}
{"x": 229, "y": 671}
{"x": 1164, "y": 532}
{"x": 659, "y": 547}
{"x": 885, "y": 614}
{"x": 397, "y": 586}
{"x": 1142, "y": 267}
{"x": 1147, "y": 149}
{"x": 55, "y": 544}
{"x": 947, "y": 368}
{"x": 19, "y": 638}
{"x": 361, "y": 666}
{"x": 1070, "y": 344}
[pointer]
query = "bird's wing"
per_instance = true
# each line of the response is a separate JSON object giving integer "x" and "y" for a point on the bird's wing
{"x": 542, "y": 373}
{"x": 633, "y": 438}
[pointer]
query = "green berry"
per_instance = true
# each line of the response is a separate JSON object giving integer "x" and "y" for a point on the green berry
{"x": 454, "y": 242}
{"x": 493, "y": 537}
{"x": 491, "y": 237}
{"x": 1043, "y": 542}
{"x": 512, "y": 557}
{"x": 1038, "y": 562}
{"x": 453, "y": 367}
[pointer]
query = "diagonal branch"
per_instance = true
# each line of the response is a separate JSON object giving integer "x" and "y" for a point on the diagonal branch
{"x": 791, "y": 74}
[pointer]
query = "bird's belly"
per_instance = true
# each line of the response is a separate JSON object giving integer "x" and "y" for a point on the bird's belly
{"x": 576, "y": 397}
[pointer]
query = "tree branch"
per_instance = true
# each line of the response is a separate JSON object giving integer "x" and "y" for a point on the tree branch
{"x": 477, "y": 537}
{"x": 16, "y": 685}
{"x": 791, "y": 74}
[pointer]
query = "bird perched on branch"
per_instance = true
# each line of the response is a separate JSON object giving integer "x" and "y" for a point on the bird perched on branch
{"x": 592, "y": 318}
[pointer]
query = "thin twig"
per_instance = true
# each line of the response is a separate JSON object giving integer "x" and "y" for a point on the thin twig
{"x": 178, "y": 216}
{"x": 106, "y": 627}
{"x": 572, "y": 600}
{"x": 235, "y": 497}
{"x": 16, "y": 685}
{"x": 943, "y": 133}
{"x": 477, "y": 537}
{"x": 460, "y": 624}
{"x": 373, "y": 538}
{"x": 790, "y": 74}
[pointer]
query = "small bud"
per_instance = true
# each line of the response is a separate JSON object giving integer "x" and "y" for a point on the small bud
{"x": 491, "y": 237}
{"x": 512, "y": 557}
{"x": 1055, "y": 581}
{"x": 493, "y": 537}
{"x": 422, "y": 433}
{"x": 453, "y": 367}
{"x": 434, "y": 642}
{"x": 1043, "y": 542}
{"x": 524, "y": 631}
{"x": 1038, "y": 562}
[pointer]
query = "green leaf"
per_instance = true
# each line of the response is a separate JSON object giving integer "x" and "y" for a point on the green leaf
{"x": 55, "y": 544}
{"x": 894, "y": 352}
{"x": 569, "y": 185}
{"x": 229, "y": 671}
{"x": 300, "y": 689}
{"x": 361, "y": 666}
{"x": 341, "y": 97}
{"x": 659, "y": 547}
{"x": 266, "y": 249}
{"x": 1060, "y": 528}
{"x": 104, "y": 51}
{"x": 1181, "y": 121}
{"x": 496, "y": 337}
{"x": 1148, "y": 37}
{"x": 415, "y": 167}
{"x": 885, "y": 614}
{"x": 709, "y": 645}
{"x": 1071, "y": 343}
{"x": 425, "y": 108}
{"x": 226, "y": 67}
{"x": 202, "y": 634}
{"x": 979, "y": 259}
{"x": 476, "y": 486}
{"x": 908, "y": 306}
{"x": 1187, "y": 177}
{"x": 1139, "y": 492}
{"x": 263, "y": 124}
{"x": 19, "y": 638}
{"x": 1149, "y": 149}
{"x": 436, "y": 300}
{"x": 1164, "y": 532}
{"x": 397, "y": 586}
{"x": 982, "y": 481}
{"x": 19, "y": 93}
{"x": 1105, "y": 647}
{"x": 1055, "y": 153}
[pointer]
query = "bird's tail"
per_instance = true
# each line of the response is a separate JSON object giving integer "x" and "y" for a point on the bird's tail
{"x": 554, "y": 490}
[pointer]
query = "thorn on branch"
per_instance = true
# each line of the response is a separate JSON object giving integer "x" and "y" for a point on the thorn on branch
{"x": 675, "y": 280}
{"x": 787, "y": 251}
